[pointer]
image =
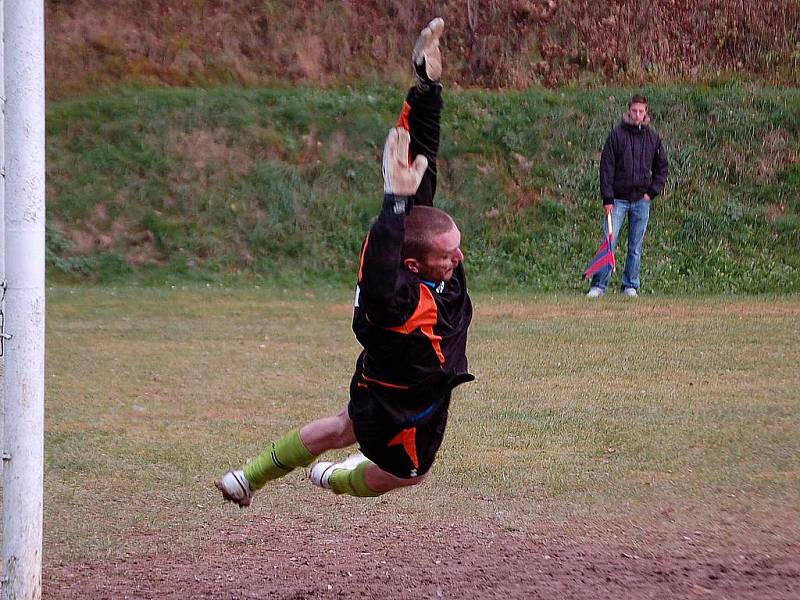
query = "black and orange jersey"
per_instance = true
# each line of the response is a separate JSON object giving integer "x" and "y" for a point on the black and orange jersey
{"x": 414, "y": 332}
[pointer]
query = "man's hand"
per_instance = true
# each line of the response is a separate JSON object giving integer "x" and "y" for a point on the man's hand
{"x": 399, "y": 178}
{"x": 608, "y": 208}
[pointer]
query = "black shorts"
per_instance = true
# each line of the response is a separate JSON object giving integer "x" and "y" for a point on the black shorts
{"x": 397, "y": 430}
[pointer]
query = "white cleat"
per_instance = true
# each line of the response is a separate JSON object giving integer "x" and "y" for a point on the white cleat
{"x": 630, "y": 292}
{"x": 595, "y": 292}
{"x": 427, "y": 57}
{"x": 235, "y": 488}
{"x": 321, "y": 472}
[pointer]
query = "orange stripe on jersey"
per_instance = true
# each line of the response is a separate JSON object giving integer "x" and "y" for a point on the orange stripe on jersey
{"x": 424, "y": 318}
{"x": 396, "y": 386}
{"x": 361, "y": 260}
{"x": 408, "y": 439}
{"x": 402, "y": 120}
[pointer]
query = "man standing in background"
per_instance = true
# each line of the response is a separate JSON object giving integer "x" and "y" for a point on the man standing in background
{"x": 633, "y": 171}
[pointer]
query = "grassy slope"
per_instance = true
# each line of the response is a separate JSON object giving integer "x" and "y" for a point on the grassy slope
{"x": 177, "y": 184}
{"x": 680, "y": 418}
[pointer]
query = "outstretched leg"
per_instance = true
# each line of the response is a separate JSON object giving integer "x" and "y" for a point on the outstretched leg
{"x": 358, "y": 476}
{"x": 282, "y": 456}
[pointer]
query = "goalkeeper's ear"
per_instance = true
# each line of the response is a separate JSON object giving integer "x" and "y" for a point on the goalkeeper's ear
{"x": 399, "y": 178}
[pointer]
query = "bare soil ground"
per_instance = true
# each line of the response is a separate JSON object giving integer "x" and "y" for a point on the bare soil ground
{"x": 304, "y": 557}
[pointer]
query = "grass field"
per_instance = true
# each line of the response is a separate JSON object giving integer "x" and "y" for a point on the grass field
{"x": 677, "y": 415}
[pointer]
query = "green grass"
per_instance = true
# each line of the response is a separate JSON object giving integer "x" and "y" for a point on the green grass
{"x": 600, "y": 413}
{"x": 280, "y": 185}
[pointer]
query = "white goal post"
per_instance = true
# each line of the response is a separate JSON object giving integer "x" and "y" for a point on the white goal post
{"x": 23, "y": 425}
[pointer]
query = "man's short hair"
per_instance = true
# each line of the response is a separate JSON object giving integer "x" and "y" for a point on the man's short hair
{"x": 637, "y": 99}
{"x": 422, "y": 224}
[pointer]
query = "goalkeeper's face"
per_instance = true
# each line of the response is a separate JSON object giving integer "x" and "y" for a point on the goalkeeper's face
{"x": 443, "y": 257}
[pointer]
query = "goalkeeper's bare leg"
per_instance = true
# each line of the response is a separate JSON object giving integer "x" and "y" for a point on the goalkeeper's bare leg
{"x": 297, "y": 448}
{"x": 356, "y": 476}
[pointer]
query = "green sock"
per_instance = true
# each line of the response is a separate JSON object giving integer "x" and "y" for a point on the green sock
{"x": 352, "y": 482}
{"x": 280, "y": 458}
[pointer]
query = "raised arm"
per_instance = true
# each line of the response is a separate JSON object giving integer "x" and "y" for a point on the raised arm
{"x": 422, "y": 114}
{"x": 381, "y": 293}
{"x": 422, "y": 110}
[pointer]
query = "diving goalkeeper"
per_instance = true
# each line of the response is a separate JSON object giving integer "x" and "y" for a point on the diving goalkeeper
{"x": 412, "y": 312}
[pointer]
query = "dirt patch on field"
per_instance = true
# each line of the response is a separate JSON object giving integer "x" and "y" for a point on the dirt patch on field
{"x": 305, "y": 557}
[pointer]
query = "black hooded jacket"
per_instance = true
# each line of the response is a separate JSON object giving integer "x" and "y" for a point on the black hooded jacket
{"x": 633, "y": 163}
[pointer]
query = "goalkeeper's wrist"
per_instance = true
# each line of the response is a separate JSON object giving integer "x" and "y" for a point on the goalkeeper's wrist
{"x": 396, "y": 205}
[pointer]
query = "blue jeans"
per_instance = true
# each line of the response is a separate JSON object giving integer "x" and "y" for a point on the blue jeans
{"x": 638, "y": 214}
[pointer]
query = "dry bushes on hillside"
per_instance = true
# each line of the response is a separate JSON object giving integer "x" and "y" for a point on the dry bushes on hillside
{"x": 490, "y": 43}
